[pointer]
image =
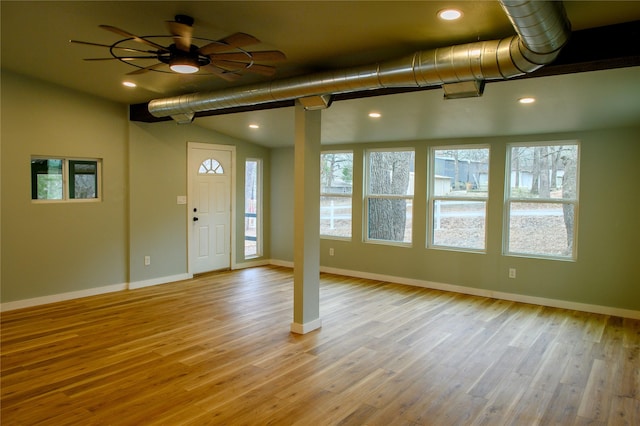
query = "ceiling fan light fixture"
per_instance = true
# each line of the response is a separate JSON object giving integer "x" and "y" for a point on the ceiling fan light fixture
{"x": 184, "y": 65}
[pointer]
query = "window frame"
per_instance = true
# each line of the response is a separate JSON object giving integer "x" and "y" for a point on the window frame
{"x": 67, "y": 176}
{"x": 211, "y": 166}
{"x": 366, "y": 196}
{"x": 337, "y": 195}
{"x": 258, "y": 207}
{"x": 508, "y": 200}
{"x": 432, "y": 198}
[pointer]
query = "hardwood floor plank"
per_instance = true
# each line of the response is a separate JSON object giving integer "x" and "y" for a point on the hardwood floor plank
{"x": 530, "y": 408}
{"x": 579, "y": 365}
{"x": 358, "y": 417}
{"x": 596, "y": 400}
{"x": 217, "y": 350}
{"x": 503, "y": 401}
{"x": 563, "y": 408}
{"x": 627, "y": 382}
{"x": 535, "y": 355}
{"x": 503, "y": 367}
{"x": 552, "y": 368}
{"x": 460, "y": 410}
{"x": 624, "y": 411}
{"x": 435, "y": 388}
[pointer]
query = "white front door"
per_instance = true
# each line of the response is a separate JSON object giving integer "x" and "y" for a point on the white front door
{"x": 209, "y": 208}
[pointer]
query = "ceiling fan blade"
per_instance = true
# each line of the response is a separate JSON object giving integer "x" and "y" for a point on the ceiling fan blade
{"x": 261, "y": 56}
{"x": 122, "y": 58}
{"x": 134, "y": 37}
{"x": 230, "y": 65}
{"x": 212, "y": 48}
{"x": 240, "y": 66}
{"x": 240, "y": 40}
{"x": 232, "y": 41}
{"x": 225, "y": 75}
{"x": 145, "y": 69}
{"x": 181, "y": 34}
{"x": 128, "y": 49}
{"x": 261, "y": 69}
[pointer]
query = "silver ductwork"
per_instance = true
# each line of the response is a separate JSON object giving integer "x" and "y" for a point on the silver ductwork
{"x": 542, "y": 30}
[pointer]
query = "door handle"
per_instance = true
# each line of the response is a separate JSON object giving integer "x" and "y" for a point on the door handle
{"x": 195, "y": 219}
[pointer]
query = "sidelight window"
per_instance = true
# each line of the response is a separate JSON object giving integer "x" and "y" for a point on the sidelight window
{"x": 253, "y": 209}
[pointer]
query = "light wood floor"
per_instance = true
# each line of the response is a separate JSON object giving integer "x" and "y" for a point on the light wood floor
{"x": 217, "y": 350}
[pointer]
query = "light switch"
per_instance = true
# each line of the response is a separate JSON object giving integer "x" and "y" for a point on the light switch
{"x": 182, "y": 199}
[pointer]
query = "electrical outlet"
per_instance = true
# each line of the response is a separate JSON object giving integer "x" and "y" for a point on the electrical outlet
{"x": 147, "y": 260}
{"x": 331, "y": 252}
{"x": 512, "y": 272}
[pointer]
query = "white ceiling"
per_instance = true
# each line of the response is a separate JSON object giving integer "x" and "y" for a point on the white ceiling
{"x": 590, "y": 100}
{"x": 319, "y": 35}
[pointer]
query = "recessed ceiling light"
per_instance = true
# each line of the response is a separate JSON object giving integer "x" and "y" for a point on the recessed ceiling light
{"x": 527, "y": 100}
{"x": 375, "y": 115}
{"x": 254, "y": 126}
{"x": 129, "y": 84}
{"x": 449, "y": 14}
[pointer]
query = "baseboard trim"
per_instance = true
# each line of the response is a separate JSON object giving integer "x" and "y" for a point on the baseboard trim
{"x": 283, "y": 263}
{"x": 252, "y": 264}
{"x": 159, "y": 281}
{"x": 306, "y": 327}
{"x": 513, "y": 297}
{"x": 45, "y": 300}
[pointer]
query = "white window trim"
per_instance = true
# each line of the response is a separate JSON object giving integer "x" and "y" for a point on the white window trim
{"x": 431, "y": 198}
{"x": 349, "y": 196}
{"x": 366, "y": 196}
{"x": 65, "y": 180}
{"x": 259, "y": 208}
{"x": 508, "y": 200}
{"x": 211, "y": 171}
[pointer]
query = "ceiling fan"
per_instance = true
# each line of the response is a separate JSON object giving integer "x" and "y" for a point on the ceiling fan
{"x": 225, "y": 58}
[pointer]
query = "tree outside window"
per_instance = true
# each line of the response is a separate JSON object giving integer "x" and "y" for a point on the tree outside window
{"x": 542, "y": 200}
{"x": 389, "y": 195}
{"x": 83, "y": 180}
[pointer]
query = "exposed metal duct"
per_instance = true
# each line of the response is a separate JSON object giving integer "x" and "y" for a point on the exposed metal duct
{"x": 542, "y": 28}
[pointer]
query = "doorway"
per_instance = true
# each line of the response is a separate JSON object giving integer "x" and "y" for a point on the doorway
{"x": 210, "y": 207}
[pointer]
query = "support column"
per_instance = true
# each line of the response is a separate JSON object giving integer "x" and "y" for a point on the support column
{"x": 306, "y": 221}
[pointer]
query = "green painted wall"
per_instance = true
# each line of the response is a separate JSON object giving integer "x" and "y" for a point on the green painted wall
{"x": 158, "y": 168}
{"x": 57, "y": 248}
{"x": 606, "y": 272}
{"x": 158, "y": 225}
{"x": 50, "y": 249}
